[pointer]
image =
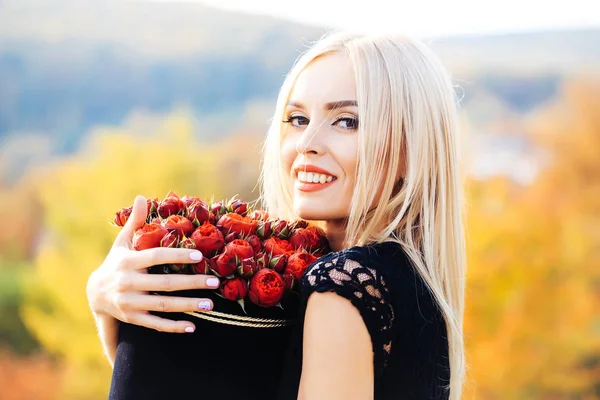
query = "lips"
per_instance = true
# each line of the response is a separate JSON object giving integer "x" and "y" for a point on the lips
{"x": 307, "y": 174}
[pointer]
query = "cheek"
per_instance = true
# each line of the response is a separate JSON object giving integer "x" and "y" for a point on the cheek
{"x": 288, "y": 152}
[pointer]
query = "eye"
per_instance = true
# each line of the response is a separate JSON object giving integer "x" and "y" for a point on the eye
{"x": 296, "y": 120}
{"x": 349, "y": 123}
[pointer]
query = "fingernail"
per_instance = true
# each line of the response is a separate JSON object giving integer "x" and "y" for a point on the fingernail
{"x": 189, "y": 329}
{"x": 196, "y": 256}
{"x": 204, "y": 305}
{"x": 212, "y": 282}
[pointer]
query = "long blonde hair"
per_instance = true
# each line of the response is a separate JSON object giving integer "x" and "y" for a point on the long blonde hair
{"x": 407, "y": 104}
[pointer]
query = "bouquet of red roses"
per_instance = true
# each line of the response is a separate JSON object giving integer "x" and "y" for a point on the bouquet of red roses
{"x": 256, "y": 257}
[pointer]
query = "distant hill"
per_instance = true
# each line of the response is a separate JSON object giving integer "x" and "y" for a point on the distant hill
{"x": 69, "y": 65}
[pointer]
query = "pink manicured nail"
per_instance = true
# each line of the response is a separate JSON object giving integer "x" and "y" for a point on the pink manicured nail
{"x": 212, "y": 282}
{"x": 204, "y": 305}
{"x": 196, "y": 256}
{"x": 189, "y": 329}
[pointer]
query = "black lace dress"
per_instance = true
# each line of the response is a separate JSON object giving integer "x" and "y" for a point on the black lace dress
{"x": 407, "y": 330}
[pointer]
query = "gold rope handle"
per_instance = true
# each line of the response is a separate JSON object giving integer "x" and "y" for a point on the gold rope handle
{"x": 242, "y": 321}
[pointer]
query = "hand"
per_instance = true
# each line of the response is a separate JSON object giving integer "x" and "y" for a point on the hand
{"x": 119, "y": 287}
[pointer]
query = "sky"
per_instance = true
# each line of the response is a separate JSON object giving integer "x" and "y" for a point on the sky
{"x": 428, "y": 18}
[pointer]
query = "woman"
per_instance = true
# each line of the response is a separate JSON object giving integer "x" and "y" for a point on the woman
{"x": 363, "y": 143}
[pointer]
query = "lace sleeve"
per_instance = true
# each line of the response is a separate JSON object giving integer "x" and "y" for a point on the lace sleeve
{"x": 365, "y": 288}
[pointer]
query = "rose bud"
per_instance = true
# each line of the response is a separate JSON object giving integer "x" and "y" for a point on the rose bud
{"x": 309, "y": 239}
{"x": 247, "y": 267}
{"x": 122, "y": 216}
{"x": 234, "y": 289}
{"x": 152, "y": 206}
{"x": 289, "y": 281}
{"x": 240, "y": 249}
{"x": 197, "y": 212}
{"x": 171, "y": 205}
{"x": 209, "y": 240}
{"x": 182, "y": 225}
{"x": 297, "y": 264}
{"x": 276, "y": 247}
{"x": 259, "y": 215}
{"x": 263, "y": 229}
{"x": 238, "y": 206}
{"x": 185, "y": 243}
{"x": 171, "y": 239}
{"x": 224, "y": 265}
{"x": 189, "y": 200}
{"x": 298, "y": 224}
{"x": 218, "y": 208}
{"x": 280, "y": 229}
{"x": 204, "y": 267}
{"x": 262, "y": 260}
{"x": 266, "y": 288}
{"x": 232, "y": 236}
{"x": 255, "y": 242}
{"x": 233, "y": 222}
{"x": 148, "y": 236}
{"x": 278, "y": 263}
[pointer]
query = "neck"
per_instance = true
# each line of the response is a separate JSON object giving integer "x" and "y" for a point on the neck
{"x": 335, "y": 230}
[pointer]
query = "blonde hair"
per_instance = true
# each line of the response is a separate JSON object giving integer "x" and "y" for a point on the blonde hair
{"x": 407, "y": 104}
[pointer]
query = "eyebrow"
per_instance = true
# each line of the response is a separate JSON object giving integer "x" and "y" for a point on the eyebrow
{"x": 328, "y": 106}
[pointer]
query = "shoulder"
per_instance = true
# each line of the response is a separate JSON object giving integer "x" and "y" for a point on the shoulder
{"x": 352, "y": 285}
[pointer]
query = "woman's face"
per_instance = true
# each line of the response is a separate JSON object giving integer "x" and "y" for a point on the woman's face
{"x": 320, "y": 143}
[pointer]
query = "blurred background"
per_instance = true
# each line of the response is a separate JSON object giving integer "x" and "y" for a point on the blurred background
{"x": 102, "y": 100}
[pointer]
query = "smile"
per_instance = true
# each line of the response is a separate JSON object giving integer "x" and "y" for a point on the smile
{"x": 313, "y": 177}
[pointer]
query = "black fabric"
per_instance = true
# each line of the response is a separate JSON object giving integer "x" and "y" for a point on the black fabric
{"x": 217, "y": 361}
{"x": 407, "y": 330}
{"x": 224, "y": 362}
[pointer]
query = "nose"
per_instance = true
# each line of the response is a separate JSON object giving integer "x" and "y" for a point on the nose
{"x": 311, "y": 141}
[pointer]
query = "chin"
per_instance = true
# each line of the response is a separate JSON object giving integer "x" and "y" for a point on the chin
{"x": 313, "y": 212}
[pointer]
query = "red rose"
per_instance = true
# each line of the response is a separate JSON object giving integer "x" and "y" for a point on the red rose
{"x": 122, "y": 216}
{"x": 233, "y": 222}
{"x": 234, "y": 289}
{"x": 152, "y": 206}
{"x": 171, "y": 239}
{"x": 218, "y": 209}
{"x": 276, "y": 247}
{"x": 255, "y": 242}
{"x": 148, "y": 236}
{"x": 185, "y": 243}
{"x": 298, "y": 224}
{"x": 247, "y": 267}
{"x": 204, "y": 267}
{"x": 278, "y": 263}
{"x": 309, "y": 239}
{"x": 232, "y": 236}
{"x": 259, "y": 215}
{"x": 280, "y": 229}
{"x": 240, "y": 249}
{"x": 289, "y": 281}
{"x": 189, "y": 200}
{"x": 209, "y": 240}
{"x": 263, "y": 229}
{"x": 181, "y": 225}
{"x": 238, "y": 206}
{"x": 266, "y": 288}
{"x": 297, "y": 264}
{"x": 262, "y": 260}
{"x": 171, "y": 205}
{"x": 224, "y": 265}
{"x": 197, "y": 212}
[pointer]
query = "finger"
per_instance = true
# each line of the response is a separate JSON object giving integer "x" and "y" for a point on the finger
{"x": 161, "y": 324}
{"x": 167, "y": 282}
{"x": 162, "y": 255}
{"x": 136, "y": 220}
{"x": 169, "y": 303}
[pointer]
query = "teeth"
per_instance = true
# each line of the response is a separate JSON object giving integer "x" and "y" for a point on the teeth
{"x": 311, "y": 177}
